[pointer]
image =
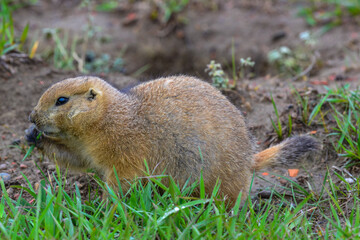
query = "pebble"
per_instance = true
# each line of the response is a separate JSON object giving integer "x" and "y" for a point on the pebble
{"x": 5, "y": 176}
{"x": 37, "y": 185}
{"x": 18, "y": 177}
{"x": 51, "y": 167}
{"x": 23, "y": 166}
{"x": 349, "y": 180}
{"x": 283, "y": 181}
{"x": 10, "y": 191}
{"x": 3, "y": 166}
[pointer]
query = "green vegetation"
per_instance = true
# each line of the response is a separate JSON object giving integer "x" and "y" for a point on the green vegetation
{"x": 62, "y": 58}
{"x": 171, "y": 7}
{"x": 8, "y": 40}
{"x": 220, "y": 79}
{"x": 152, "y": 210}
{"x": 278, "y": 126}
{"x": 72, "y": 54}
{"x": 286, "y": 61}
{"x": 329, "y": 13}
{"x": 345, "y": 109}
{"x": 218, "y": 76}
{"x": 165, "y": 10}
{"x": 299, "y": 61}
{"x": 342, "y": 105}
{"x": 303, "y": 101}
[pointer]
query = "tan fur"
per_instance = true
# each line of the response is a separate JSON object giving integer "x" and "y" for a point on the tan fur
{"x": 166, "y": 122}
{"x": 266, "y": 157}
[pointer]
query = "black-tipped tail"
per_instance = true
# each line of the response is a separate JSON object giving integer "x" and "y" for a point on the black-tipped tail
{"x": 291, "y": 150}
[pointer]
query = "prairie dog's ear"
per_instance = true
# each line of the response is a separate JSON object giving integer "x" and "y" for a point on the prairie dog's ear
{"x": 93, "y": 93}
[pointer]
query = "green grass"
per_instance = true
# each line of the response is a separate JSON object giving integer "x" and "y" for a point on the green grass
{"x": 151, "y": 210}
{"x": 278, "y": 126}
{"x": 345, "y": 108}
{"x": 8, "y": 40}
{"x": 279, "y": 129}
{"x": 342, "y": 107}
{"x": 330, "y": 12}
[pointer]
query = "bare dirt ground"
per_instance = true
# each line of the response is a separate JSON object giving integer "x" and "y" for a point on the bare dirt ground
{"x": 178, "y": 48}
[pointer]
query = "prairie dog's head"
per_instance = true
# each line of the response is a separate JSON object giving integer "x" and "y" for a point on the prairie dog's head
{"x": 70, "y": 106}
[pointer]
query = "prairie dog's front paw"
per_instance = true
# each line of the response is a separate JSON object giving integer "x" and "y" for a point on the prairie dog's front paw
{"x": 31, "y": 136}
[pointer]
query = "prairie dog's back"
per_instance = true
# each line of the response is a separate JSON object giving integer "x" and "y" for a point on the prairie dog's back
{"x": 196, "y": 125}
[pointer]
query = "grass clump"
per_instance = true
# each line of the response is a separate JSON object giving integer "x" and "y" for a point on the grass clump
{"x": 329, "y": 13}
{"x": 341, "y": 109}
{"x": 8, "y": 40}
{"x": 152, "y": 210}
{"x": 217, "y": 74}
{"x": 220, "y": 79}
{"x": 345, "y": 104}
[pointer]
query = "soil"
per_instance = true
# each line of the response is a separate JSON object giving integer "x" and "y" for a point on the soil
{"x": 182, "y": 46}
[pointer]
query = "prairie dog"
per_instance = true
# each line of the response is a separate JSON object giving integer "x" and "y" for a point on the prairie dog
{"x": 180, "y": 125}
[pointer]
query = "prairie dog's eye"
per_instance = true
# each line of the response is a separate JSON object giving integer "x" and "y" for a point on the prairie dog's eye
{"x": 61, "y": 101}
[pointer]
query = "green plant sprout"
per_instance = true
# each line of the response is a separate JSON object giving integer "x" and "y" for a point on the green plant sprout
{"x": 244, "y": 63}
{"x": 218, "y": 76}
{"x": 8, "y": 40}
{"x": 333, "y": 14}
{"x": 247, "y": 62}
{"x": 171, "y": 7}
{"x": 29, "y": 151}
{"x": 278, "y": 127}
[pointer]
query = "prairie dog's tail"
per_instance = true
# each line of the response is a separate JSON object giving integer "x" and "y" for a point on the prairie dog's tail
{"x": 290, "y": 150}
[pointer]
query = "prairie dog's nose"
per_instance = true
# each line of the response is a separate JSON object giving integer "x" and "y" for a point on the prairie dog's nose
{"x": 32, "y": 116}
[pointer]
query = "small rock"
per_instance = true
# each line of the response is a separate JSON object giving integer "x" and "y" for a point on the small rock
{"x": 23, "y": 166}
{"x": 3, "y": 166}
{"x": 248, "y": 106}
{"x": 180, "y": 34}
{"x": 18, "y": 178}
{"x": 10, "y": 191}
{"x": 349, "y": 180}
{"x": 283, "y": 181}
{"x": 5, "y": 176}
{"x": 78, "y": 184}
{"x": 51, "y": 167}
{"x": 37, "y": 185}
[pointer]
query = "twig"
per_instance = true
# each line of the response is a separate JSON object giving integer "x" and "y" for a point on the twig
{"x": 308, "y": 69}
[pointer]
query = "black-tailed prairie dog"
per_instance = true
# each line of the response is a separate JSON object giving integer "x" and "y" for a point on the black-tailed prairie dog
{"x": 180, "y": 125}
